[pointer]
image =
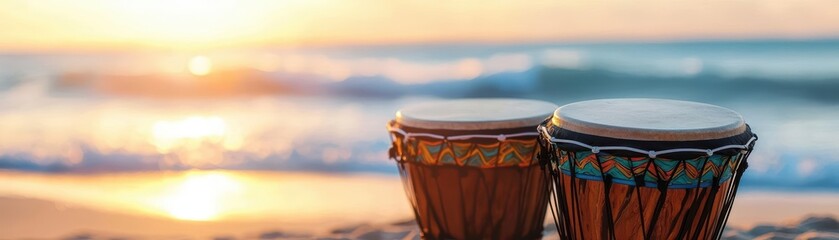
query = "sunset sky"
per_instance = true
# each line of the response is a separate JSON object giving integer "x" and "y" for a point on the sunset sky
{"x": 196, "y": 24}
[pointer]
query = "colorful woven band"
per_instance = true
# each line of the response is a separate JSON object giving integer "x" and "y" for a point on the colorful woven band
{"x": 505, "y": 152}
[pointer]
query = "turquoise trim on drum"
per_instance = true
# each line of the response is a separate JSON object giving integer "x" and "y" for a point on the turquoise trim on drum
{"x": 516, "y": 151}
{"x": 688, "y": 173}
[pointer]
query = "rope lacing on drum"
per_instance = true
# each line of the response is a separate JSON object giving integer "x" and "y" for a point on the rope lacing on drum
{"x": 499, "y": 137}
{"x": 651, "y": 153}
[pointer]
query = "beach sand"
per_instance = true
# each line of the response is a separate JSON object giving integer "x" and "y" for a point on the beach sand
{"x": 365, "y": 206}
{"x": 38, "y": 219}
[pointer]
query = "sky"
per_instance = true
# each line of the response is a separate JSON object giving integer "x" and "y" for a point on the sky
{"x": 197, "y": 24}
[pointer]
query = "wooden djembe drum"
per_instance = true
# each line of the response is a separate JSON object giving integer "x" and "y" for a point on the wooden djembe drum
{"x": 643, "y": 168}
{"x": 469, "y": 167}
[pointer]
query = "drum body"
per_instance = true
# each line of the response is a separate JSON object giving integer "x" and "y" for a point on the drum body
{"x": 655, "y": 172}
{"x": 473, "y": 174}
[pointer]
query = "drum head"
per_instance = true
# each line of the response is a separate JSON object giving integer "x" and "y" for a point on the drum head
{"x": 475, "y": 114}
{"x": 649, "y": 120}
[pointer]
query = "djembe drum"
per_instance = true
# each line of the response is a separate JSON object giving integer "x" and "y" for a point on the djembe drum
{"x": 643, "y": 168}
{"x": 469, "y": 167}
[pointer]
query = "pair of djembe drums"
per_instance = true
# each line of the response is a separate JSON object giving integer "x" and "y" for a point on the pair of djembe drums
{"x": 606, "y": 169}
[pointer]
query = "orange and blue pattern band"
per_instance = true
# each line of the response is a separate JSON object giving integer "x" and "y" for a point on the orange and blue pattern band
{"x": 649, "y": 172}
{"x": 484, "y": 153}
{"x": 685, "y": 171}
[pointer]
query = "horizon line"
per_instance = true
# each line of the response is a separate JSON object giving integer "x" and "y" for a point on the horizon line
{"x": 134, "y": 47}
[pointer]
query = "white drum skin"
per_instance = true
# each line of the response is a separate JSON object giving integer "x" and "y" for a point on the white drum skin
{"x": 649, "y": 119}
{"x": 476, "y": 114}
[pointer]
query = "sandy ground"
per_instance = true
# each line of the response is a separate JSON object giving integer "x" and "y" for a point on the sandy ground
{"x": 38, "y": 219}
{"x": 266, "y": 205}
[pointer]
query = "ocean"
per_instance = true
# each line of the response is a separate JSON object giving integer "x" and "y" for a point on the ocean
{"x": 324, "y": 109}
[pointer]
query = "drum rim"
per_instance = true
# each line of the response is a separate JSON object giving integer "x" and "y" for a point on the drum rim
{"x": 504, "y": 141}
{"x": 474, "y": 124}
{"x": 649, "y": 134}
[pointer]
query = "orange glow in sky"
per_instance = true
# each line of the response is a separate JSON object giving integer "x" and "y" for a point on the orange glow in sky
{"x": 197, "y": 24}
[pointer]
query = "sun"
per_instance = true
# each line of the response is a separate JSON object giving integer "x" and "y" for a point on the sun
{"x": 200, "y": 65}
{"x": 200, "y": 196}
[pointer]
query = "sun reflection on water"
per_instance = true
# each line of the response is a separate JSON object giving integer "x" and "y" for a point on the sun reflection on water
{"x": 211, "y": 201}
{"x": 194, "y": 141}
{"x": 200, "y": 196}
{"x": 169, "y": 134}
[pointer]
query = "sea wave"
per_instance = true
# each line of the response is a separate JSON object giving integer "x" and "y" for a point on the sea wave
{"x": 325, "y": 109}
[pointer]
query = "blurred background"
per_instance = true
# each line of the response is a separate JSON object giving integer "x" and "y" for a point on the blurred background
{"x": 208, "y": 118}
